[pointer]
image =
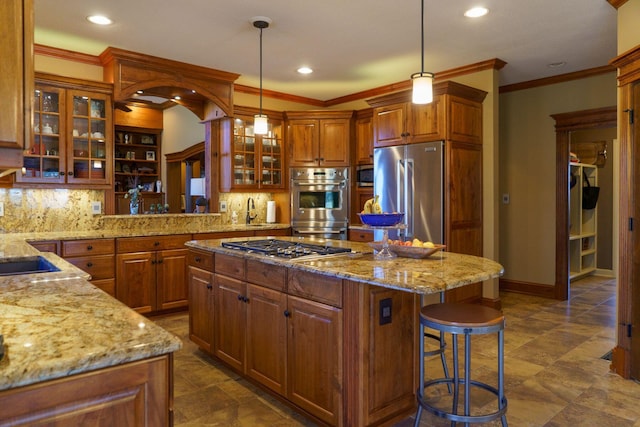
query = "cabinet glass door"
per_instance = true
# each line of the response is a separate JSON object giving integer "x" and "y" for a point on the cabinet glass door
{"x": 88, "y": 152}
{"x": 271, "y": 156}
{"x": 244, "y": 154}
{"x": 44, "y": 161}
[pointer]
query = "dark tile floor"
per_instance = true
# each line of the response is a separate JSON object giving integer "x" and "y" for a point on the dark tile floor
{"x": 554, "y": 373}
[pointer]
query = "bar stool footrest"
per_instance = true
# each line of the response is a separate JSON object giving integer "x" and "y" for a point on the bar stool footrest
{"x": 457, "y": 417}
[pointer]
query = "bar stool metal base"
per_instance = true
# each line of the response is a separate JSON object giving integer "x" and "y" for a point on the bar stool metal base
{"x": 466, "y": 320}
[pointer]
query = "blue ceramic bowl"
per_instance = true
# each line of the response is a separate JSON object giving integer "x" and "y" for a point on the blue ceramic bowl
{"x": 381, "y": 220}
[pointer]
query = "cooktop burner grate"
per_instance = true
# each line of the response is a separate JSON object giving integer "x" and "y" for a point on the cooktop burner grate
{"x": 283, "y": 248}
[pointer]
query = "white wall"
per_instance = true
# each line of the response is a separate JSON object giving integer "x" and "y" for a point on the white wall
{"x": 182, "y": 129}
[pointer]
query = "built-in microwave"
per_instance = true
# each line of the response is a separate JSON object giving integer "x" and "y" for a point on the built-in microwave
{"x": 364, "y": 176}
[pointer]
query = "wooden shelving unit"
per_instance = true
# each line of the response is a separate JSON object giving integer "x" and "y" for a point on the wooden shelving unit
{"x": 583, "y": 242}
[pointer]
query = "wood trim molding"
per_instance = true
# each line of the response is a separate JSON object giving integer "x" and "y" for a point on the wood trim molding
{"x": 278, "y": 95}
{"x": 558, "y": 79}
{"x": 529, "y": 288}
{"x": 69, "y": 55}
{"x": 73, "y": 83}
{"x": 628, "y": 66}
{"x": 617, "y": 3}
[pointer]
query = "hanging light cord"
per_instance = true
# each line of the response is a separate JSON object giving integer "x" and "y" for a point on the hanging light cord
{"x": 421, "y": 37}
{"x": 261, "y": 70}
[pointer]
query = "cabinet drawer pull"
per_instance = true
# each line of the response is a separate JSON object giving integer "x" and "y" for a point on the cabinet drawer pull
{"x": 89, "y": 264}
{"x": 198, "y": 259}
{"x": 156, "y": 243}
{"x": 89, "y": 247}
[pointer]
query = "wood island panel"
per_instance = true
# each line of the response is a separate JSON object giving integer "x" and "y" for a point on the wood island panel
{"x": 317, "y": 287}
{"x": 135, "y": 394}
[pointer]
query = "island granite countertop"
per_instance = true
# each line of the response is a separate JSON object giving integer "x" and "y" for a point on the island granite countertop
{"x": 437, "y": 273}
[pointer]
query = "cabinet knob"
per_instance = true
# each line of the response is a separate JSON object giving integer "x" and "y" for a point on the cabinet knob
{"x": 89, "y": 247}
{"x": 89, "y": 264}
{"x": 156, "y": 243}
{"x": 62, "y": 173}
{"x": 287, "y": 313}
{"x": 198, "y": 259}
{"x": 322, "y": 159}
{"x": 70, "y": 173}
{"x": 209, "y": 286}
{"x": 240, "y": 297}
{"x": 159, "y": 261}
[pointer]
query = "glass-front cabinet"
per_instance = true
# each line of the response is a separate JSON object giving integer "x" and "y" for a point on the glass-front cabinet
{"x": 254, "y": 161}
{"x": 72, "y": 134}
{"x": 88, "y": 153}
{"x": 45, "y": 159}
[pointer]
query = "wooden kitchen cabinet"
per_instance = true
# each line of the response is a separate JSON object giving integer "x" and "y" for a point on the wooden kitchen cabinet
{"x": 364, "y": 137}
{"x": 96, "y": 257}
{"x": 136, "y": 394}
{"x": 201, "y": 299}
{"x": 319, "y": 138}
{"x": 16, "y": 84}
{"x": 230, "y": 322}
{"x": 151, "y": 272}
{"x": 72, "y": 134}
{"x": 406, "y": 123}
{"x": 253, "y": 162}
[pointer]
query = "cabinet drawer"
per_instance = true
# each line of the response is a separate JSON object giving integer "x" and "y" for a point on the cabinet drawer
{"x": 47, "y": 246}
{"x": 200, "y": 259}
{"x": 360, "y": 236}
{"x": 315, "y": 287}
{"x": 98, "y": 266}
{"x": 152, "y": 243}
{"x": 229, "y": 265}
{"x": 267, "y": 275}
{"x": 72, "y": 248}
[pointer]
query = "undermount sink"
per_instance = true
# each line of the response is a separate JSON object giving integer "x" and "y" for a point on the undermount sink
{"x": 26, "y": 265}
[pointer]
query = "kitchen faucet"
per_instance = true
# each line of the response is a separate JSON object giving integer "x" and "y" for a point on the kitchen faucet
{"x": 251, "y": 216}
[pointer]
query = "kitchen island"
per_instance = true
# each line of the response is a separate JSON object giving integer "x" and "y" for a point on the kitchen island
{"x": 334, "y": 335}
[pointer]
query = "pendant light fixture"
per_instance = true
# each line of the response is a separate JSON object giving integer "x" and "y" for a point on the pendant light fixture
{"x": 260, "y": 124}
{"x": 422, "y": 81}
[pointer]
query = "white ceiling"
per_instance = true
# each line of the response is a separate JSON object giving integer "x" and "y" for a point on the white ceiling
{"x": 353, "y": 45}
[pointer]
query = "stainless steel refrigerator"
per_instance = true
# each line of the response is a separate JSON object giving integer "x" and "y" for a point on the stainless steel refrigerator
{"x": 409, "y": 179}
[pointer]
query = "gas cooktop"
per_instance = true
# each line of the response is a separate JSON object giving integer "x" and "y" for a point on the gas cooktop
{"x": 284, "y": 248}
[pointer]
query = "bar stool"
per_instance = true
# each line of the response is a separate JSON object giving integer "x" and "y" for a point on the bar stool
{"x": 462, "y": 319}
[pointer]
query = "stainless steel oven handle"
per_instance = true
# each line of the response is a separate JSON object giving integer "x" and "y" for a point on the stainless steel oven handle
{"x": 332, "y": 183}
{"x": 342, "y": 230}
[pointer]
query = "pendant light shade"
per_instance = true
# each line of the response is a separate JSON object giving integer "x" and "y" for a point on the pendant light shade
{"x": 422, "y": 81}
{"x": 260, "y": 123}
{"x": 422, "y": 88}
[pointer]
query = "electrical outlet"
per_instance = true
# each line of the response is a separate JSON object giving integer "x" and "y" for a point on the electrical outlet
{"x": 96, "y": 208}
{"x": 223, "y": 206}
{"x": 1, "y": 208}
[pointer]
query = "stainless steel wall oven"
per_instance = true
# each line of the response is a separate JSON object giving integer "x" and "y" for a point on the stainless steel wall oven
{"x": 320, "y": 202}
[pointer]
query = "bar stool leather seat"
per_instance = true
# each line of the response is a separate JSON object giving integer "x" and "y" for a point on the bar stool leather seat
{"x": 467, "y": 320}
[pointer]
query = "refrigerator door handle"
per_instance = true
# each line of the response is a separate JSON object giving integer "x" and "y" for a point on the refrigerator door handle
{"x": 408, "y": 197}
{"x": 400, "y": 172}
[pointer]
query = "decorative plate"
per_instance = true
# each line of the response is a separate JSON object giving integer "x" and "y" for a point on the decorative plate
{"x": 409, "y": 251}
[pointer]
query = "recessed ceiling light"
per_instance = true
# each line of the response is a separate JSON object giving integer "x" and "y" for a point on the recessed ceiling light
{"x": 557, "y": 64}
{"x": 139, "y": 92}
{"x": 99, "y": 20}
{"x": 177, "y": 98}
{"x": 476, "y": 12}
{"x": 305, "y": 70}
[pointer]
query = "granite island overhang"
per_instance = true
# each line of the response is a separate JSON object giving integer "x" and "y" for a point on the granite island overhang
{"x": 437, "y": 273}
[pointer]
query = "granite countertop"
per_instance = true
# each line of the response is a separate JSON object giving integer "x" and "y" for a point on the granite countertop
{"x": 439, "y": 272}
{"x": 55, "y": 325}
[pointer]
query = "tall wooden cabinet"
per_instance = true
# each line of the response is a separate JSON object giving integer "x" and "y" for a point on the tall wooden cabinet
{"x": 455, "y": 117}
{"x": 318, "y": 138}
{"x": 16, "y": 84}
